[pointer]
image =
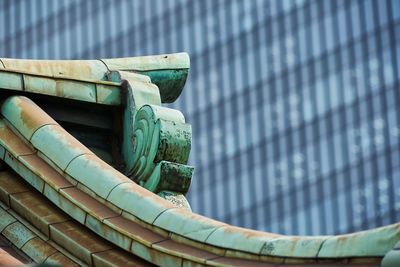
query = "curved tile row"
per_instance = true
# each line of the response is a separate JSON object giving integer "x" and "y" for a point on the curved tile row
{"x": 96, "y": 69}
{"x": 168, "y": 72}
{"x": 131, "y": 236}
{"x": 33, "y": 244}
{"x": 123, "y": 196}
{"x": 54, "y": 230}
{"x": 82, "y": 246}
{"x": 100, "y": 92}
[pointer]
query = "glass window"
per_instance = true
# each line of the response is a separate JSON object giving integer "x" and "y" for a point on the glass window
{"x": 302, "y": 43}
{"x": 325, "y": 163}
{"x": 343, "y": 221}
{"x": 315, "y": 33}
{"x": 395, "y": 10}
{"x": 320, "y": 91}
{"x": 329, "y": 32}
{"x": 355, "y": 20}
{"x": 341, "y": 20}
{"x": 316, "y": 227}
{"x": 369, "y": 14}
{"x": 383, "y": 15}
{"x": 348, "y": 89}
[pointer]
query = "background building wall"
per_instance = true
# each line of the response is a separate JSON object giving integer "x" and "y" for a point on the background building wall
{"x": 294, "y": 104}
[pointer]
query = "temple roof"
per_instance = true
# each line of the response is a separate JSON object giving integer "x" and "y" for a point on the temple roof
{"x": 95, "y": 169}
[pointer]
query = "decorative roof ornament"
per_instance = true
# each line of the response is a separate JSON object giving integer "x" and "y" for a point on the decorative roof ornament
{"x": 95, "y": 170}
{"x": 156, "y": 140}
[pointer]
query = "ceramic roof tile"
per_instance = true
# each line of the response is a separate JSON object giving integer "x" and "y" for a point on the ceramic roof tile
{"x": 77, "y": 191}
{"x": 77, "y": 240}
{"x": 29, "y": 205}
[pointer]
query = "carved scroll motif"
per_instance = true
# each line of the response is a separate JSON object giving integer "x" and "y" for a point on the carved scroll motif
{"x": 156, "y": 140}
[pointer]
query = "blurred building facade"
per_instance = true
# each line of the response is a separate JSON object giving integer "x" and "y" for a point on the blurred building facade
{"x": 295, "y": 105}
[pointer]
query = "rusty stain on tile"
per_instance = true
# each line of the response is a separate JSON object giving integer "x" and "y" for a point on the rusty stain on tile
{"x": 134, "y": 230}
{"x": 225, "y": 261}
{"x": 181, "y": 250}
{"x": 154, "y": 256}
{"x": 89, "y": 204}
{"x": 30, "y": 205}
{"x": 117, "y": 258}
{"x": 18, "y": 234}
{"x": 117, "y": 238}
{"x": 78, "y": 240}
{"x": 23, "y": 114}
{"x": 60, "y": 259}
{"x": 45, "y": 171}
{"x": 38, "y": 250}
{"x": 12, "y": 143}
{"x": 10, "y": 184}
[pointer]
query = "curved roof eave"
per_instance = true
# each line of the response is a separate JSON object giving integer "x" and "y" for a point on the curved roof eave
{"x": 23, "y": 138}
{"x": 169, "y": 72}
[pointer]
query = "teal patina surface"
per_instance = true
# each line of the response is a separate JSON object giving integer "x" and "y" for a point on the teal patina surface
{"x": 95, "y": 171}
{"x": 156, "y": 140}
